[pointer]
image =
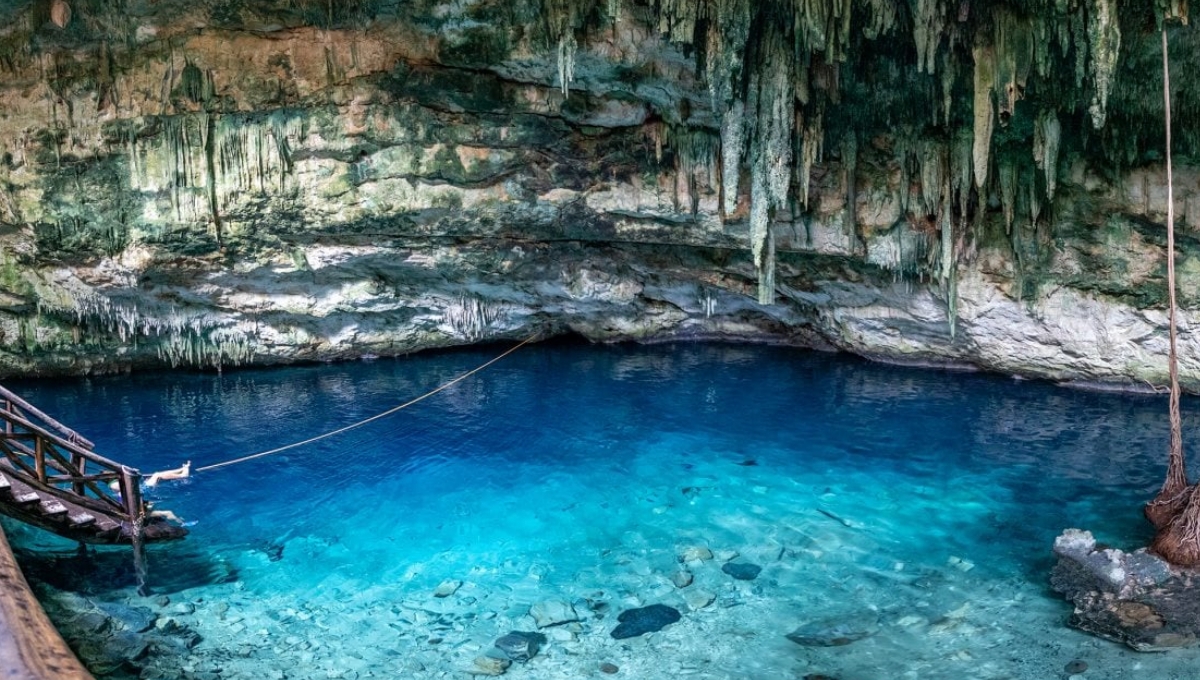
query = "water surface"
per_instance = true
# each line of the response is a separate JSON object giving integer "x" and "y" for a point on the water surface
{"x": 918, "y": 505}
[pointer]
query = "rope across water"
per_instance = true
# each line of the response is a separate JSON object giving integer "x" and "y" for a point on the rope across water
{"x": 360, "y": 423}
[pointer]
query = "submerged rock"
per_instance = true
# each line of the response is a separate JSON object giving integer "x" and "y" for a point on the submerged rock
{"x": 553, "y": 613}
{"x": 682, "y": 578}
{"x": 742, "y": 571}
{"x": 695, "y": 553}
{"x": 447, "y": 588}
{"x": 489, "y": 665}
{"x": 1135, "y": 598}
{"x": 131, "y": 618}
{"x": 699, "y": 599}
{"x": 519, "y": 645}
{"x": 834, "y": 632}
{"x": 108, "y": 654}
{"x": 635, "y": 622}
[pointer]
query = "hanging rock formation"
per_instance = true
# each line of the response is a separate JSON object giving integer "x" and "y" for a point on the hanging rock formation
{"x": 224, "y": 182}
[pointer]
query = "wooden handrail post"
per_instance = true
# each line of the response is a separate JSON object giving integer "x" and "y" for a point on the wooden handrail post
{"x": 80, "y": 464}
{"x": 39, "y": 459}
{"x": 131, "y": 490}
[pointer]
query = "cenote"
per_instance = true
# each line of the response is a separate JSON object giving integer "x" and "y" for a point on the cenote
{"x": 901, "y": 518}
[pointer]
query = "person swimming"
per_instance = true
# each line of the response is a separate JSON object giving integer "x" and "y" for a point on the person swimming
{"x": 182, "y": 472}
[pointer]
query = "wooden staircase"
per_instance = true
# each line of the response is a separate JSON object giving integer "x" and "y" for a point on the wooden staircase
{"x": 51, "y": 478}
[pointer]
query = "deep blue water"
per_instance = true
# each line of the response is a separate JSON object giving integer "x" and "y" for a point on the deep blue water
{"x": 562, "y": 452}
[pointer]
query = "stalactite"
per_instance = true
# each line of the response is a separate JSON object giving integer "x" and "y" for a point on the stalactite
{"x": 933, "y": 175}
{"x": 822, "y": 25}
{"x": 1047, "y": 140}
{"x": 696, "y": 152}
{"x": 985, "y": 79}
{"x": 1035, "y": 204}
{"x": 724, "y": 49}
{"x": 1104, "y": 39}
{"x": 772, "y": 102}
{"x": 902, "y": 150}
{"x": 949, "y": 269}
{"x": 732, "y": 144}
{"x": 208, "y": 130}
{"x": 813, "y": 141}
{"x": 961, "y": 163}
{"x": 566, "y": 61}
{"x": 849, "y": 152}
{"x": 471, "y": 318}
{"x": 1079, "y": 37}
{"x": 1013, "y": 59}
{"x": 728, "y": 29}
{"x": 883, "y": 18}
{"x": 929, "y": 22}
{"x": 949, "y": 77}
{"x": 1042, "y": 42}
{"x": 1008, "y": 175}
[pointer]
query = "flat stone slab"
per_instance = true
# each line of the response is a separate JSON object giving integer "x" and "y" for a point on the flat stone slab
{"x": 635, "y": 622}
{"x": 1134, "y": 598}
{"x": 553, "y": 613}
{"x": 834, "y": 632}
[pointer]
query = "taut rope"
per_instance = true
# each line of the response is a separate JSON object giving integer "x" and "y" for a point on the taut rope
{"x": 360, "y": 423}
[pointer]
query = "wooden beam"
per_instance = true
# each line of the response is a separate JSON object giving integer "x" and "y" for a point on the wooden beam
{"x": 14, "y": 400}
{"x": 73, "y": 447}
{"x": 30, "y": 647}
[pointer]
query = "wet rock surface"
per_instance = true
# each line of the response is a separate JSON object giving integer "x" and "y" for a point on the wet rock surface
{"x": 1133, "y": 598}
{"x": 651, "y": 619}
{"x": 835, "y": 632}
{"x": 520, "y": 646}
{"x": 553, "y": 613}
{"x": 742, "y": 571}
{"x": 115, "y": 639}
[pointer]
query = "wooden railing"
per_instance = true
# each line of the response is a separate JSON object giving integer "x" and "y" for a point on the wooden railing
{"x": 30, "y": 647}
{"x": 50, "y": 456}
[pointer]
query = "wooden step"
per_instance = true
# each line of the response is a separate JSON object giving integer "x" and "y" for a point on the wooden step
{"x": 52, "y": 508}
{"x": 82, "y": 519}
{"x": 27, "y": 498}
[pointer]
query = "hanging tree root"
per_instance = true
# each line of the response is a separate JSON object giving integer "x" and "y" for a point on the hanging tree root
{"x": 1178, "y": 541}
{"x": 1175, "y": 512}
{"x": 1166, "y": 506}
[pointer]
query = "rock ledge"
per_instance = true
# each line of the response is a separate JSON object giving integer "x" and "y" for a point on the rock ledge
{"x": 1134, "y": 598}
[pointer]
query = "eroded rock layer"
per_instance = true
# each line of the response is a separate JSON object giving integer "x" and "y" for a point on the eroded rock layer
{"x": 223, "y": 183}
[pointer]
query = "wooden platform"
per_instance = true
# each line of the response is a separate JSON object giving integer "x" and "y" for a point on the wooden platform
{"x": 51, "y": 478}
{"x": 71, "y": 516}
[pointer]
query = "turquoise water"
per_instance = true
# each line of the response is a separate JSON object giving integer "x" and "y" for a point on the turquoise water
{"x": 918, "y": 506}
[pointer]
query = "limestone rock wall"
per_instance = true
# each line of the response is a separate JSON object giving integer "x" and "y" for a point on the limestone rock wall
{"x": 200, "y": 184}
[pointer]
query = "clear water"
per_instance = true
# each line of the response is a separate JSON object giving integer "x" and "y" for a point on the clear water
{"x": 919, "y": 505}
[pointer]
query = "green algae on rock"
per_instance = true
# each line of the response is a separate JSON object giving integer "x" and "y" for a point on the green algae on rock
{"x": 220, "y": 183}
